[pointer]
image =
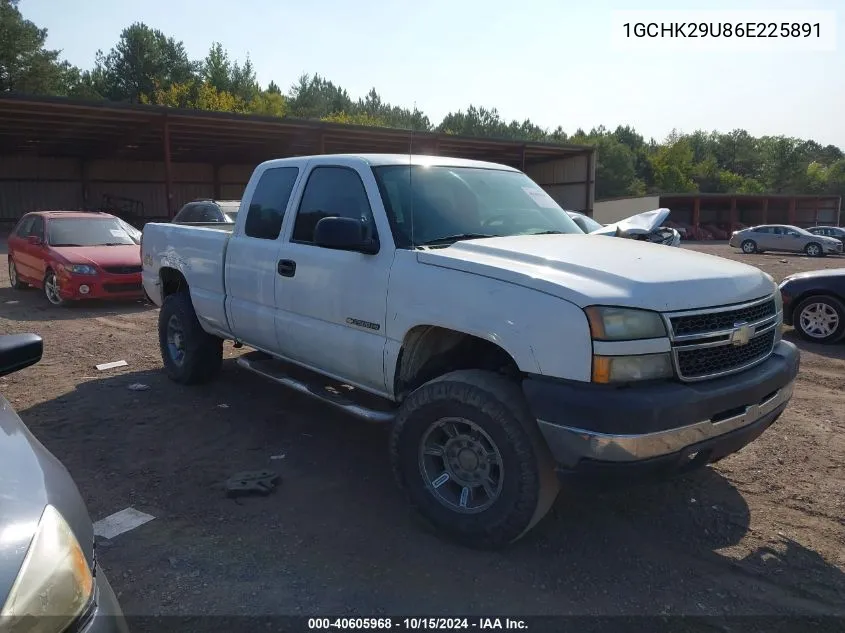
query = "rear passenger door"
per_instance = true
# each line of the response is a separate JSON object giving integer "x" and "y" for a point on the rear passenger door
{"x": 251, "y": 259}
{"x": 333, "y": 302}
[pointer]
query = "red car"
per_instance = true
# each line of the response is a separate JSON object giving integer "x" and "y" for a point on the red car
{"x": 74, "y": 255}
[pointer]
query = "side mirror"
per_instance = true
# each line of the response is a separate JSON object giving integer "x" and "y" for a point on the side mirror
{"x": 18, "y": 351}
{"x": 34, "y": 240}
{"x": 346, "y": 234}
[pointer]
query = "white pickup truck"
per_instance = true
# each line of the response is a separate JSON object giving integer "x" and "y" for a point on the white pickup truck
{"x": 458, "y": 302}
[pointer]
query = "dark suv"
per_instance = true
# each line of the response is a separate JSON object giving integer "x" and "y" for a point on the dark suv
{"x": 208, "y": 212}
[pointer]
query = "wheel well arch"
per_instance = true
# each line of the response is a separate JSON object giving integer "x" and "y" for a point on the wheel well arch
{"x": 429, "y": 351}
{"x": 172, "y": 281}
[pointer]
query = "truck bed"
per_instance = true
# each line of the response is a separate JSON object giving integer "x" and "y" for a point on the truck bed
{"x": 199, "y": 253}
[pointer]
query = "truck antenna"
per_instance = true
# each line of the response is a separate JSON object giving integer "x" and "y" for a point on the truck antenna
{"x": 410, "y": 172}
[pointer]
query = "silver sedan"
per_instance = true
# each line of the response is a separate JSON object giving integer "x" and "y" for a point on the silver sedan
{"x": 785, "y": 238}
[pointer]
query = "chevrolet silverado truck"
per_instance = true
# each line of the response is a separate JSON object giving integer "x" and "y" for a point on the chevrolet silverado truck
{"x": 454, "y": 300}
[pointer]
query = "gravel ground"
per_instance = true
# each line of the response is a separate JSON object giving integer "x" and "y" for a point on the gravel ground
{"x": 760, "y": 533}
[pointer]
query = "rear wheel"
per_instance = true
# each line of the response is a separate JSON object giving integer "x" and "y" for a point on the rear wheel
{"x": 51, "y": 289}
{"x": 749, "y": 247}
{"x": 820, "y": 319}
{"x": 14, "y": 280}
{"x": 813, "y": 249}
{"x": 190, "y": 354}
{"x": 470, "y": 457}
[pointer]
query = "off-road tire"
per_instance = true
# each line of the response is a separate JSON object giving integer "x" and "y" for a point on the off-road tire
{"x": 497, "y": 405}
{"x": 17, "y": 284}
{"x": 749, "y": 246}
{"x": 203, "y": 352}
{"x": 834, "y": 304}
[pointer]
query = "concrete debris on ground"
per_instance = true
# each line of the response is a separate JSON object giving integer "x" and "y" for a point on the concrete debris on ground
{"x": 261, "y": 482}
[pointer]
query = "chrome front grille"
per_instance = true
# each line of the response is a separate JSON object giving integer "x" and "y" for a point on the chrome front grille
{"x": 721, "y": 341}
{"x": 716, "y": 321}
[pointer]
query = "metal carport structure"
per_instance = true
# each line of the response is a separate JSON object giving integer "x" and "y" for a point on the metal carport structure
{"x": 63, "y": 153}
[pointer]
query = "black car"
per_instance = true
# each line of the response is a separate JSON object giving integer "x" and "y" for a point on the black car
{"x": 814, "y": 304}
{"x": 208, "y": 212}
{"x": 829, "y": 231}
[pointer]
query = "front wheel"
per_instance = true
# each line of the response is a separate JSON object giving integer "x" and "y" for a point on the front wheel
{"x": 51, "y": 289}
{"x": 813, "y": 250}
{"x": 470, "y": 457}
{"x": 190, "y": 354}
{"x": 820, "y": 319}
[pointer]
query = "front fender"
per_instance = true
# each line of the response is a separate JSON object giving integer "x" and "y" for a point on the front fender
{"x": 542, "y": 333}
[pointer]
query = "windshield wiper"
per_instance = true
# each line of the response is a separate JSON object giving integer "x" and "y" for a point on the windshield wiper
{"x": 65, "y": 244}
{"x": 547, "y": 233}
{"x": 115, "y": 244}
{"x": 449, "y": 239}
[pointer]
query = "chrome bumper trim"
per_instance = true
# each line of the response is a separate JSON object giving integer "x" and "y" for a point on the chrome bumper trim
{"x": 629, "y": 448}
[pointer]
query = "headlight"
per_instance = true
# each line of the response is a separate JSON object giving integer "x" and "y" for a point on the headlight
{"x": 624, "y": 324}
{"x": 54, "y": 584}
{"x": 80, "y": 269}
{"x": 608, "y": 369}
{"x": 778, "y": 301}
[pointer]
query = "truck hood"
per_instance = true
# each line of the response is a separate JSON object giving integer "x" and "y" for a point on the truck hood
{"x": 587, "y": 271}
{"x": 30, "y": 478}
{"x": 640, "y": 224}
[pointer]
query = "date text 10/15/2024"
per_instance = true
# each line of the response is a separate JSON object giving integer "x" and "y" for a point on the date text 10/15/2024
{"x": 417, "y": 624}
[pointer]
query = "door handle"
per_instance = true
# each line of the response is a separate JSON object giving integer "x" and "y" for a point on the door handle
{"x": 286, "y": 267}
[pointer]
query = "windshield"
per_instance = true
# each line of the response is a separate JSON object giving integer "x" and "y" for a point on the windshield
{"x": 134, "y": 233}
{"x": 799, "y": 230}
{"x": 87, "y": 232}
{"x": 230, "y": 210}
{"x": 585, "y": 222}
{"x": 452, "y": 203}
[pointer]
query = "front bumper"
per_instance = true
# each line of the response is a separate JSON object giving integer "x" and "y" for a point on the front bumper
{"x": 832, "y": 249}
{"x": 106, "y": 616}
{"x": 592, "y": 429}
{"x": 101, "y": 286}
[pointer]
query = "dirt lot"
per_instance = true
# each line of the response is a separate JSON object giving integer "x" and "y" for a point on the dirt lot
{"x": 761, "y": 533}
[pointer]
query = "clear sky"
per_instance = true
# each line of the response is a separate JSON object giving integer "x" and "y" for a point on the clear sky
{"x": 547, "y": 60}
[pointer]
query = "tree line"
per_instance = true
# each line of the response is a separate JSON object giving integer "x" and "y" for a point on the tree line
{"x": 147, "y": 66}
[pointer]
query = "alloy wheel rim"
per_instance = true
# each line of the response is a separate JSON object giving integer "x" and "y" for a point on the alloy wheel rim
{"x": 51, "y": 289}
{"x": 175, "y": 340}
{"x": 819, "y": 320}
{"x": 461, "y": 465}
{"x": 813, "y": 250}
{"x": 13, "y": 273}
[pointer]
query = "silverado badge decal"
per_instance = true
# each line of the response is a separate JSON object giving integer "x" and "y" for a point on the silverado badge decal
{"x": 360, "y": 323}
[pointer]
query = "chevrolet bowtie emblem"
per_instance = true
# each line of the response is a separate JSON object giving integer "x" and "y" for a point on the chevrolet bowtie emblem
{"x": 741, "y": 334}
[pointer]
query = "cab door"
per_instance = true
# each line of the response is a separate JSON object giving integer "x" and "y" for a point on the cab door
{"x": 332, "y": 303}
{"x": 251, "y": 259}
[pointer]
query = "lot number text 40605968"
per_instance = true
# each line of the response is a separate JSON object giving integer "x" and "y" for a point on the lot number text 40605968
{"x": 414, "y": 624}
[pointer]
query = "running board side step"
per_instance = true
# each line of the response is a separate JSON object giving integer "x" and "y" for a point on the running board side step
{"x": 274, "y": 370}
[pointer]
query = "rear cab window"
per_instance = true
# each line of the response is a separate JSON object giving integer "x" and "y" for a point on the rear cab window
{"x": 269, "y": 203}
